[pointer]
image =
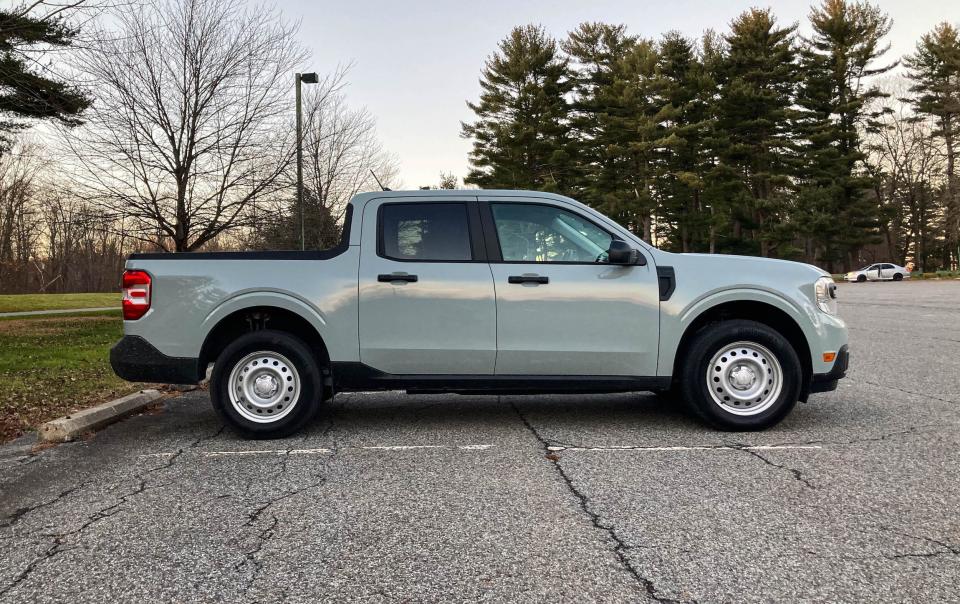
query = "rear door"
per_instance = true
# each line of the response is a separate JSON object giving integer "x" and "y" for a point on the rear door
{"x": 427, "y": 303}
{"x": 887, "y": 271}
{"x": 561, "y": 309}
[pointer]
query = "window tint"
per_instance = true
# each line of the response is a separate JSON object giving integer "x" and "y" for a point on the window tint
{"x": 539, "y": 233}
{"x": 886, "y": 266}
{"x": 425, "y": 231}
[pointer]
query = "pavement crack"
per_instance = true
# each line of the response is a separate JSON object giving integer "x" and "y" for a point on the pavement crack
{"x": 19, "y": 513}
{"x": 920, "y": 394}
{"x": 797, "y": 474}
{"x": 620, "y": 548}
{"x": 60, "y": 539}
{"x": 250, "y": 556}
{"x": 945, "y": 549}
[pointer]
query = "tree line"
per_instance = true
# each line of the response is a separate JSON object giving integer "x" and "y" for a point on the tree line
{"x": 757, "y": 140}
{"x": 167, "y": 126}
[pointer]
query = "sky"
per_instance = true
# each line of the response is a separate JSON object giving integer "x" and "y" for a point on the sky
{"x": 416, "y": 63}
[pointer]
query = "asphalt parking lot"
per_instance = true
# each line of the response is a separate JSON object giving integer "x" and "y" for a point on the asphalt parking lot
{"x": 389, "y": 497}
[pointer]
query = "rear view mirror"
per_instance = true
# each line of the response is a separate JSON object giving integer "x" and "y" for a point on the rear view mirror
{"x": 621, "y": 252}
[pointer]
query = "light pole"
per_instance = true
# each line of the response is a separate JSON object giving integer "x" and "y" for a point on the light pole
{"x": 306, "y": 78}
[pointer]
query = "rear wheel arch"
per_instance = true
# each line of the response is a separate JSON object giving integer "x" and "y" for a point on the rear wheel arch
{"x": 262, "y": 317}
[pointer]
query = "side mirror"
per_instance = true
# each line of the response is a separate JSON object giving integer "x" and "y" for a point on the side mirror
{"x": 621, "y": 252}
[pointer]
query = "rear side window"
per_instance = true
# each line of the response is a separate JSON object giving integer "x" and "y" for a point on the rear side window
{"x": 887, "y": 266}
{"x": 428, "y": 232}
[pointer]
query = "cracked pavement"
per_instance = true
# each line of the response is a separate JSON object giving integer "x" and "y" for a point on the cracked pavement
{"x": 624, "y": 497}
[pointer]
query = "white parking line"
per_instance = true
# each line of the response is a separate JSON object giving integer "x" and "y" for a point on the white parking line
{"x": 687, "y": 448}
{"x": 323, "y": 451}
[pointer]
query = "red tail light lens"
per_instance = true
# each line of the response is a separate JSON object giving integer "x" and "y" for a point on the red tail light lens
{"x": 136, "y": 294}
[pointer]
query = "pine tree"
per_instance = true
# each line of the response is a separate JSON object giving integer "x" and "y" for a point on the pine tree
{"x": 838, "y": 214}
{"x": 27, "y": 93}
{"x": 686, "y": 89}
{"x": 604, "y": 167}
{"x": 521, "y": 134}
{"x": 754, "y": 130}
{"x": 935, "y": 72}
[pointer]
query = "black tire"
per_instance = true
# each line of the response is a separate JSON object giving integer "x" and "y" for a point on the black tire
{"x": 696, "y": 388}
{"x": 898, "y": 277}
{"x": 861, "y": 278}
{"x": 277, "y": 345}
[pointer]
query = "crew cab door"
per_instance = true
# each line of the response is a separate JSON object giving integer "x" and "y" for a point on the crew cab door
{"x": 561, "y": 308}
{"x": 427, "y": 303}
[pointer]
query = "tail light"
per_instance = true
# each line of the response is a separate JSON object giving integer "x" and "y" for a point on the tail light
{"x": 136, "y": 294}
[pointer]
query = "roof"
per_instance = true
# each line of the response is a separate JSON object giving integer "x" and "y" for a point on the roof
{"x": 448, "y": 193}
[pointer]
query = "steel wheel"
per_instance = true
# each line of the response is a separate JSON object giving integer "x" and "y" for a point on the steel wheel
{"x": 264, "y": 387}
{"x": 744, "y": 378}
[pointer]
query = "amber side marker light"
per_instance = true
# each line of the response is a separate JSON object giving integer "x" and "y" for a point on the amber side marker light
{"x": 828, "y": 357}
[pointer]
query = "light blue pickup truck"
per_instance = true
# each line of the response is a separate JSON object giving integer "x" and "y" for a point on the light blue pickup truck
{"x": 487, "y": 292}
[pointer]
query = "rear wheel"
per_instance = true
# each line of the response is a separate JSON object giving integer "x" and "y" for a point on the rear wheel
{"x": 898, "y": 276}
{"x": 266, "y": 384}
{"x": 741, "y": 375}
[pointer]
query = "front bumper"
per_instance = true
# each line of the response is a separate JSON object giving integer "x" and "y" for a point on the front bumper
{"x": 826, "y": 382}
{"x": 137, "y": 360}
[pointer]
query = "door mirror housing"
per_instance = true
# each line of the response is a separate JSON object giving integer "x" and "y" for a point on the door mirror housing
{"x": 623, "y": 253}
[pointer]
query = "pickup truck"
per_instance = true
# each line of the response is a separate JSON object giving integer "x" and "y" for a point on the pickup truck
{"x": 480, "y": 292}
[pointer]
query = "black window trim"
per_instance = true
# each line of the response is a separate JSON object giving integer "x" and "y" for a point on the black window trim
{"x": 492, "y": 239}
{"x": 477, "y": 248}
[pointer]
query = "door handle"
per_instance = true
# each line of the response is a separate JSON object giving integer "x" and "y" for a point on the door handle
{"x": 528, "y": 279}
{"x": 388, "y": 278}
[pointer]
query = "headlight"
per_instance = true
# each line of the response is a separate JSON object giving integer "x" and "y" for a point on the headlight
{"x": 826, "y": 294}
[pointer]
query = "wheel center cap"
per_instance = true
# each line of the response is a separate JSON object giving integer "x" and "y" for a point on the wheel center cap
{"x": 265, "y": 386}
{"x": 742, "y": 378}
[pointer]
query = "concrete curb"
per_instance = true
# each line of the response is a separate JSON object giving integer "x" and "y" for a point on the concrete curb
{"x": 70, "y": 427}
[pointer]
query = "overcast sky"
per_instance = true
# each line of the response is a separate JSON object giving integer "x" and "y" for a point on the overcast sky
{"x": 418, "y": 62}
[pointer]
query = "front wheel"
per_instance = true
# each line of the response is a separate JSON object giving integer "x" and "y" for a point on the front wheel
{"x": 266, "y": 384}
{"x": 861, "y": 278}
{"x": 741, "y": 375}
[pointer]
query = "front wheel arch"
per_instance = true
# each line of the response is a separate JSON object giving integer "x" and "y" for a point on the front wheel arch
{"x": 750, "y": 310}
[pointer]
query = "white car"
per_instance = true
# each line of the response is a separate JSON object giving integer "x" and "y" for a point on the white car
{"x": 882, "y": 271}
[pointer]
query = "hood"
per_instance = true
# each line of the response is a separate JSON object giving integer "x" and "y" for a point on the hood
{"x": 723, "y": 271}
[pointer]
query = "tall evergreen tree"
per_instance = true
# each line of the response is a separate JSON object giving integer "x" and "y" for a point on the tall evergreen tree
{"x": 521, "y": 134}
{"x": 28, "y": 92}
{"x": 686, "y": 95}
{"x": 754, "y": 131}
{"x": 604, "y": 170}
{"x": 837, "y": 61}
{"x": 935, "y": 71}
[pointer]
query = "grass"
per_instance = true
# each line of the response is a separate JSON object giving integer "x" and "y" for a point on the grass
{"x": 21, "y": 302}
{"x": 50, "y": 366}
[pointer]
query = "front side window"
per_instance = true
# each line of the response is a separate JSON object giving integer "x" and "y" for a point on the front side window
{"x": 428, "y": 232}
{"x": 539, "y": 233}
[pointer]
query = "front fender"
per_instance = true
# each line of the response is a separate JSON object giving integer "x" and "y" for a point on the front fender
{"x": 676, "y": 317}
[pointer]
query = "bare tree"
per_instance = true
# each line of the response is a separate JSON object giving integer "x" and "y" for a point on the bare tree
{"x": 906, "y": 162}
{"x": 340, "y": 146}
{"x": 20, "y": 230}
{"x": 341, "y": 154}
{"x": 191, "y": 118}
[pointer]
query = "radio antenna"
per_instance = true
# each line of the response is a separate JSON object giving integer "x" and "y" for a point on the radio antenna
{"x": 380, "y": 184}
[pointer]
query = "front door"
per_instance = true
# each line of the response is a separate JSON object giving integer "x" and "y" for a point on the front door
{"x": 561, "y": 308}
{"x": 427, "y": 304}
